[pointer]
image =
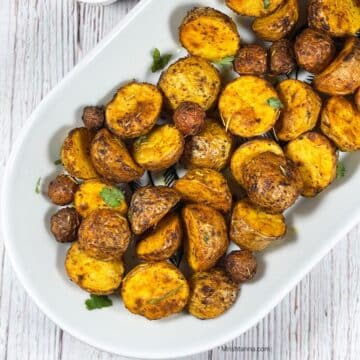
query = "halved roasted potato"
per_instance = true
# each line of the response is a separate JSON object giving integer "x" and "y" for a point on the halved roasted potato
{"x": 247, "y": 151}
{"x": 112, "y": 160}
{"x": 155, "y": 290}
{"x": 75, "y": 154}
{"x": 209, "y": 33}
{"x": 159, "y": 149}
{"x": 206, "y": 236}
{"x": 163, "y": 241}
{"x": 315, "y": 157}
{"x": 94, "y": 276}
{"x": 149, "y": 205}
{"x": 212, "y": 293}
{"x": 301, "y": 109}
{"x": 255, "y": 8}
{"x": 249, "y": 106}
{"x": 279, "y": 24}
{"x": 254, "y": 229}
{"x": 342, "y": 76}
{"x": 134, "y": 110}
{"x": 340, "y": 122}
{"x": 205, "y": 186}
{"x": 211, "y": 148}
{"x": 190, "y": 79}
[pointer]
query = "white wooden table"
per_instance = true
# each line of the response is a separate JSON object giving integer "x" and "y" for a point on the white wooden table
{"x": 40, "y": 41}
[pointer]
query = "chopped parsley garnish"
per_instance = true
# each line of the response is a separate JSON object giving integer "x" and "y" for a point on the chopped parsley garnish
{"x": 112, "y": 196}
{"x": 275, "y": 103}
{"x": 140, "y": 140}
{"x": 225, "y": 61}
{"x": 37, "y": 187}
{"x": 340, "y": 169}
{"x": 172, "y": 292}
{"x": 266, "y": 4}
{"x": 206, "y": 238}
{"x": 58, "y": 162}
{"x": 97, "y": 302}
{"x": 159, "y": 62}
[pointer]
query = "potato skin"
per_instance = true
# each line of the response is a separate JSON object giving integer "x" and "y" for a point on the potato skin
{"x": 155, "y": 290}
{"x": 282, "y": 57}
{"x": 64, "y": 225}
{"x": 209, "y": 33}
{"x": 251, "y": 60}
{"x": 149, "y": 205}
{"x": 211, "y": 148}
{"x": 104, "y": 235}
{"x": 357, "y": 99}
{"x": 340, "y": 122}
{"x": 93, "y": 117}
{"x": 240, "y": 265}
{"x": 61, "y": 190}
{"x": 254, "y": 7}
{"x": 112, "y": 159}
{"x": 314, "y": 50}
{"x": 212, "y": 293}
{"x": 189, "y": 118}
{"x": 94, "y": 276}
{"x": 206, "y": 236}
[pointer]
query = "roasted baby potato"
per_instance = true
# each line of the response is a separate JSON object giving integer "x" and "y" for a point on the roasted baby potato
{"x": 340, "y": 122}
{"x": 251, "y": 60}
{"x": 314, "y": 50}
{"x": 155, "y": 290}
{"x": 206, "y": 236}
{"x": 342, "y": 76}
{"x": 279, "y": 24}
{"x": 75, "y": 154}
{"x": 315, "y": 157}
{"x": 104, "y": 234}
{"x": 254, "y": 229}
{"x": 94, "y": 276}
{"x": 212, "y": 292}
{"x": 357, "y": 99}
{"x": 246, "y": 106}
{"x": 163, "y": 241}
{"x": 209, "y": 33}
{"x": 282, "y": 57}
{"x": 189, "y": 118}
{"x": 94, "y": 194}
{"x": 338, "y": 18}
{"x": 240, "y": 265}
{"x": 190, "y": 79}
{"x": 248, "y": 151}
{"x": 93, "y": 117}
{"x": 61, "y": 190}
{"x": 149, "y": 205}
{"x": 64, "y": 225}
{"x": 205, "y": 186}
{"x": 301, "y": 109}
{"x": 112, "y": 159}
{"x": 159, "y": 149}
{"x": 211, "y": 148}
{"x": 255, "y": 8}
{"x": 134, "y": 110}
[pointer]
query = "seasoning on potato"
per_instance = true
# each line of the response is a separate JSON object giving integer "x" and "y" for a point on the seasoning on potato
{"x": 282, "y": 57}
{"x": 64, "y": 225}
{"x": 93, "y": 117}
{"x": 61, "y": 190}
{"x": 240, "y": 265}
{"x": 251, "y": 60}
{"x": 155, "y": 290}
{"x": 189, "y": 118}
{"x": 255, "y": 8}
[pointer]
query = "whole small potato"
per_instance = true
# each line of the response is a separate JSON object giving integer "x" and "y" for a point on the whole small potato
{"x": 93, "y": 117}
{"x": 62, "y": 189}
{"x": 251, "y": 60}
{"x": 282, "y": 57}
{"x": 240, "y": 265}
{"x": 189, "y": 118}
{"x": 65, "y": 224}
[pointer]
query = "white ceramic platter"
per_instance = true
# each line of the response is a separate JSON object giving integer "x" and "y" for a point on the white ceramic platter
{"x": 38, "y": 259}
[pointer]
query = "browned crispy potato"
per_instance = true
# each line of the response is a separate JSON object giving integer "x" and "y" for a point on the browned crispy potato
{"x": 282, "y": 57}
{"x": 112, "y": 159}
{"x": 189, "y": 118}
{"x": 245, "y": 106}
{"x": 155, "y": 290}
{"x": 134, "y": 110}
{"x": 212, "y": 292}
{"x": 149, "y": 205}
{"x": 104, "y": 234}
{"x": 211, "y": 148}
{"x": 62, "y": 189}
{"x": 301, "y": 109}
{"x": 206, "y": 236}
{"x": 94, "y": 276}
{"x": 248, "y": 151}
{"x": 357, "y": 99}
{"x": 342, "y": 76}
{"x": 314, "y": 50}
{"x": 251, "y": 60}
{"x": 340, "y": 122}
{"x": 64, "y": 225}
{"x": 209, "y": 33}
{"x": 159, "y": 149}
{"x": 93, "y": 117}
{"x": 163, "y": 241}
{"x": 315, "y": 157}
{"x": 279, "y": 24}
{"x": 255, "y": 8}
{"x": 338, "y": 18}
{"x": 205, "y": 186}
{"x": 190, "y": 79}
{"x": 240, "y": 265}
{"x": 272, "y": 182}
{"x": 75, "y": 154}
{"x": 92, "y": 194}
{"x": 254, "y": 229}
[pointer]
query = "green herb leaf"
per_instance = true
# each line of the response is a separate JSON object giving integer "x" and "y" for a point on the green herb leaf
{"x": 172, "y": 292}
{"x": 97, "y": 302}
{"x": 340, "y": 170}
{"x": 140, "y": 140}
{"x": 206, "y": 238}
{"x": 112, "y": 196}
{"x": 58, "y": 162}
{"x": 37, "y": 187}
{"x": 225, "y": 61}
{"x": 266, "y": 4}
{"x": 275, "y": 103}
{"x": 159, "y": 62}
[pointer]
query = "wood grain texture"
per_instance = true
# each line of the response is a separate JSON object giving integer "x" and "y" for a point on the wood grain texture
{"x": 41, "y": 40}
